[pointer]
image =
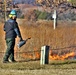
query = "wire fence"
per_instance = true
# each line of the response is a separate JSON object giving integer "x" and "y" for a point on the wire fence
{"x": 29, "y": 55}
{"x": 35, "y": 55}
{"x": 64, "y": 50}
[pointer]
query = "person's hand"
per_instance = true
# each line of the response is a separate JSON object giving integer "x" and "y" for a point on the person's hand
{"x": 21, "y": 39}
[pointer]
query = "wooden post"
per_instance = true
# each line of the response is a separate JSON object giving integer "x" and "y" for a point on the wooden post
{"x": 44, "y": 55}
{"x": 5, "y": 10}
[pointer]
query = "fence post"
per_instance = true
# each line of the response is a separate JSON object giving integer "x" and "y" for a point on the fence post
{"x": 44, "y": 55}
{"x": 54, "y": 16}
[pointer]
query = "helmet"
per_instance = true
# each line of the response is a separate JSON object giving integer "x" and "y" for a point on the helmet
{"x": 13, "y": 13}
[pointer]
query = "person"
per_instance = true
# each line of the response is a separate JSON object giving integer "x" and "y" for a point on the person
{"x": 11, "y": 32}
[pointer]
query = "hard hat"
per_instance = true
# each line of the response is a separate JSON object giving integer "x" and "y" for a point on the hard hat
{"x": 13, "y": 12}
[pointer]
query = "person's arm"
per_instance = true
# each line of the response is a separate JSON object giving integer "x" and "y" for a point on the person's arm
{"x": 16, "y": 29}
{"x": 18, "y": 33}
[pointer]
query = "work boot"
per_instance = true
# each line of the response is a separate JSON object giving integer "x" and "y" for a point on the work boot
{"x": 5, "y": 61}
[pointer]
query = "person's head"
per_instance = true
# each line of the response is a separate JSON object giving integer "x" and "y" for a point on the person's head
{"x": 13, "y": 14}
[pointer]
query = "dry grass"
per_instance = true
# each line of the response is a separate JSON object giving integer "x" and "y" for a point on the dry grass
{"x": 42, "y": 33}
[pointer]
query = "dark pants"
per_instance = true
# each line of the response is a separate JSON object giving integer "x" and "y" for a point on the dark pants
{"x": 10, "y": 49}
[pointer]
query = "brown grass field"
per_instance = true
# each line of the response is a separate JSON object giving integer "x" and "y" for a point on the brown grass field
{"x": 41, "y": 33}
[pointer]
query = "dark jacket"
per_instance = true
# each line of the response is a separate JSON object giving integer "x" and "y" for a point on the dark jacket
{"x": 11, "y": 29}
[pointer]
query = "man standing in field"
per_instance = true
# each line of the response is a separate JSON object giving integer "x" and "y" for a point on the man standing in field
{"x": 11, "y": 32}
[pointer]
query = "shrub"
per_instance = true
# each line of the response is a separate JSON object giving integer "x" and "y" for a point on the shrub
{"x": 43, "y": 15}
